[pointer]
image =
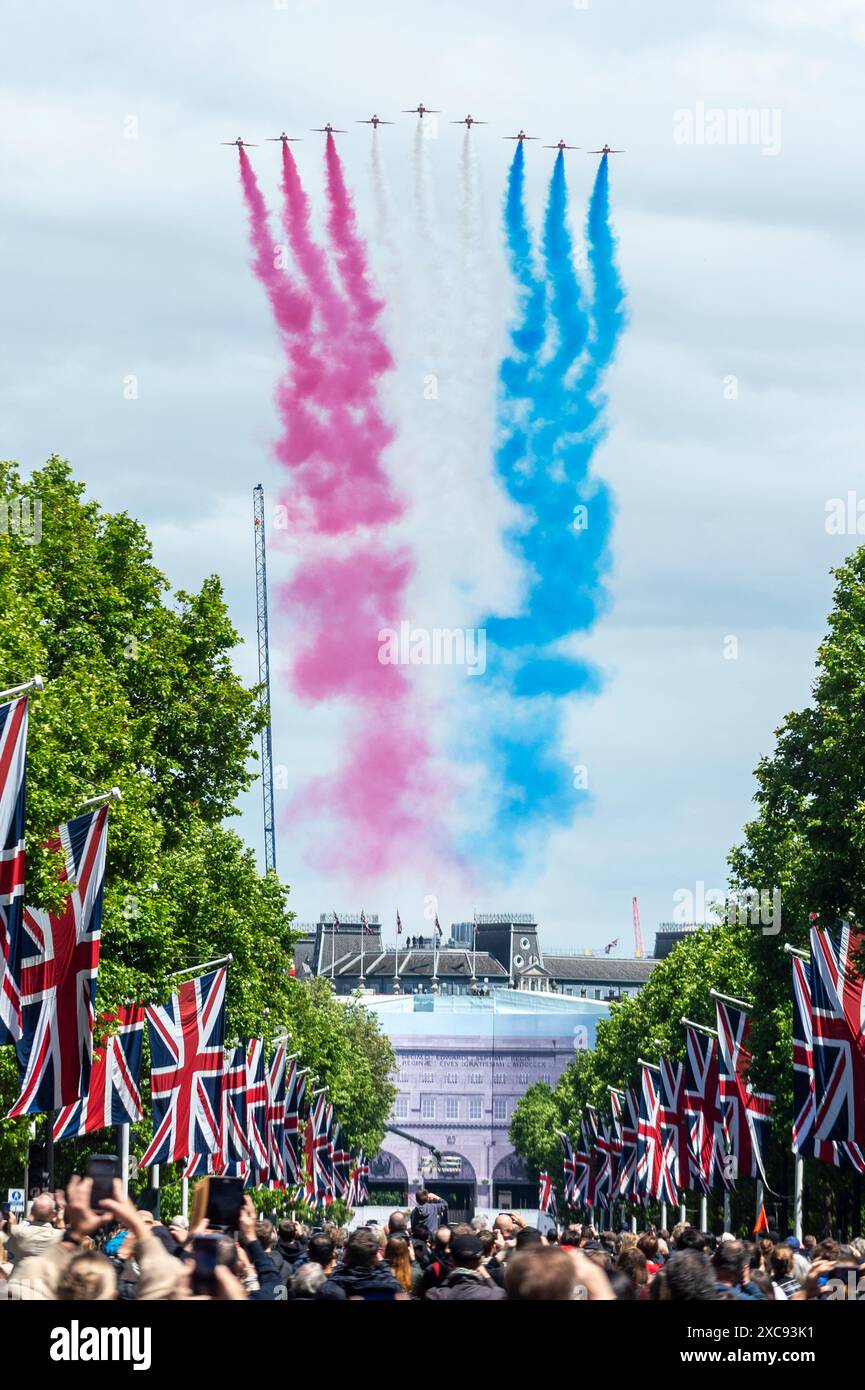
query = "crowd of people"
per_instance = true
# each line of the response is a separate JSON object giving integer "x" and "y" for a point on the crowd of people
{"x": 72, "y": 1247}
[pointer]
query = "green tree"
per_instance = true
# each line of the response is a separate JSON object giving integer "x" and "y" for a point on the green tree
{"x": 141, "y": 693}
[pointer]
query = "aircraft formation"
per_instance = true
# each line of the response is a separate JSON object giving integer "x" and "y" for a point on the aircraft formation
{"x": 420, "y": 111}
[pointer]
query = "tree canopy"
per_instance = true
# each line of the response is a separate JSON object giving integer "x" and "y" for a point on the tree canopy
{"x": 806, "y": 841}
{"x": 140, "y": 692}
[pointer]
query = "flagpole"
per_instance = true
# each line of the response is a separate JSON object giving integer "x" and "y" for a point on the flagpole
{"x": 184, "y": 1196}
{"x": 798, "y": 1185}
{"x": 728, "y": 999}
{"x": 49, "y": 1149}
{"x": 798, "y": 1161}
{"x": 361, "y": 981}
{"x": 474, "y": 945}
{"x": 700, "y": 1027}
{"x": 115, "y": 794}
{"x": 205, "y": 965}
{"x": 704, "y": 1211}
{"x": 124, "y": 1158}
{"x": 726, "y": 1209}
{"x": 35, "y": 683}
{"x": 333, "y": 947}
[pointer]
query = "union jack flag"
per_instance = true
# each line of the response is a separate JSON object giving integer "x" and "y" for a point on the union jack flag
{"x": 546, "y": 1195}
{"x": 330, "y": 1150}
{"x": 294, "y": 1084}
{"x": 276, "y": 1118}
{"x": 186, "y": 1069}
{"x": 674, "y": 1128}
{"x": 234, "y": 1144}
{"x": 232, "y": 1158}
{"x": 629, "y": 1122}
{"x": 13, "y": 770}
{"x": 707, "y": 1153}
{"x": 603, "y": 1175}
{"x": 838, "y": 1025}
{"x": 362, "y": 1175}
{"x": 569, "y": 1169}
{"x": 747, "y": 1114}
{"x": 113, "y": 1096}
{"x": 341, "y": 1161}
{"x": 318, "y": 1185}
{"x": 256, "y": 1113}
{"x": 58, "y": 981}
{"x": 585, "y": 1159}
{"x": 840, "y": 1153}
{"x": 650, "y": 1157}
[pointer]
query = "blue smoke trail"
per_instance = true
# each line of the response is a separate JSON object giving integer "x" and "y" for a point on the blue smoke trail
{"x": 553, "y": 416}
{"x": 527, "y": 335}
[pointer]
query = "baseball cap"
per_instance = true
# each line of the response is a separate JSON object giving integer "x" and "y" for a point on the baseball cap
{"x": 792, "y": 1242}
{"x": 466, "y": 1247}
{"x": 181, "y": 1222}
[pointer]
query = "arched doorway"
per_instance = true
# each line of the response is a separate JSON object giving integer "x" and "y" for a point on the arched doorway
{"x": 453, "y": 1179}
{"x": 387, "y": 1181}
{"x": 512, "y": 1186}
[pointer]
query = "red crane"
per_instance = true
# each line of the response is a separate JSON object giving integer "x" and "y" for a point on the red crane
{"x": 638, "y": 930}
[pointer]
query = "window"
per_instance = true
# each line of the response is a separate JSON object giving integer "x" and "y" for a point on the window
{"x": 427, "y": 1107}
{"x": 452, "y": 1108}
{"x": 401, "y": 1108}
{"x": 499, "y": 1078}
{"x": 451, "y": 1079}
{"x": 523, "y": 1078}
{"x": 500, "y": 1108}
{"x": 476, "y": 1108}
{"x": 476, "y": 1079}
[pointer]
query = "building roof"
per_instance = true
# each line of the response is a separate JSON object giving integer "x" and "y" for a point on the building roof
{"x": 599, "y": 969}
{"x": 451, "y": 963}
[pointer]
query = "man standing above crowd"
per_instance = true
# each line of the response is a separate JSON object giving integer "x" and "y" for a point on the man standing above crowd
{"x": 429, "y": 1213}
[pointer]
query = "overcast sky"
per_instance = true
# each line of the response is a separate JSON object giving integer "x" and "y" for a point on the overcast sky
{"x": 127, "y": 256}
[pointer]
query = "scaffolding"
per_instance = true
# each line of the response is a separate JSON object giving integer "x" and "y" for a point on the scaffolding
{"x": 264, "y": 675}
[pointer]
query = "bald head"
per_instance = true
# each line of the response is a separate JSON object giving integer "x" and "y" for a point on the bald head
{"x": 43, "y": 1208}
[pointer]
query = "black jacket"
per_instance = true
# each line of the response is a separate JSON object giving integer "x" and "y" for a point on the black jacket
{"x": 356, "y": 1281}
{"x": 466, "y": 1284}
{"x": 293, "y": 1253}
{"x": 268, "y": 1276}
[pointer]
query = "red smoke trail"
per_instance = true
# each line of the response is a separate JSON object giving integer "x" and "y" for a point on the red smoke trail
{"x": 333, "y": 451}
{"x": 352, "y": 262}
{"x": 311, "y": 259}
{"x": 333, "y": 441}
{"x": 292, "y": 309}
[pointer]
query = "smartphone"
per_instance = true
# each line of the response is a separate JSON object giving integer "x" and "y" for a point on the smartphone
{"x": 5, "y": 1207}
{"x": 103, "y": 1169}
{"x": 220, "y": 1200}
{"x": 205, "y": 1252}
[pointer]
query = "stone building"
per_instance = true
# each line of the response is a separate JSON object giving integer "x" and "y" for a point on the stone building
{"x": 504, "y": 952}
{"x": 463, "y": 1062}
